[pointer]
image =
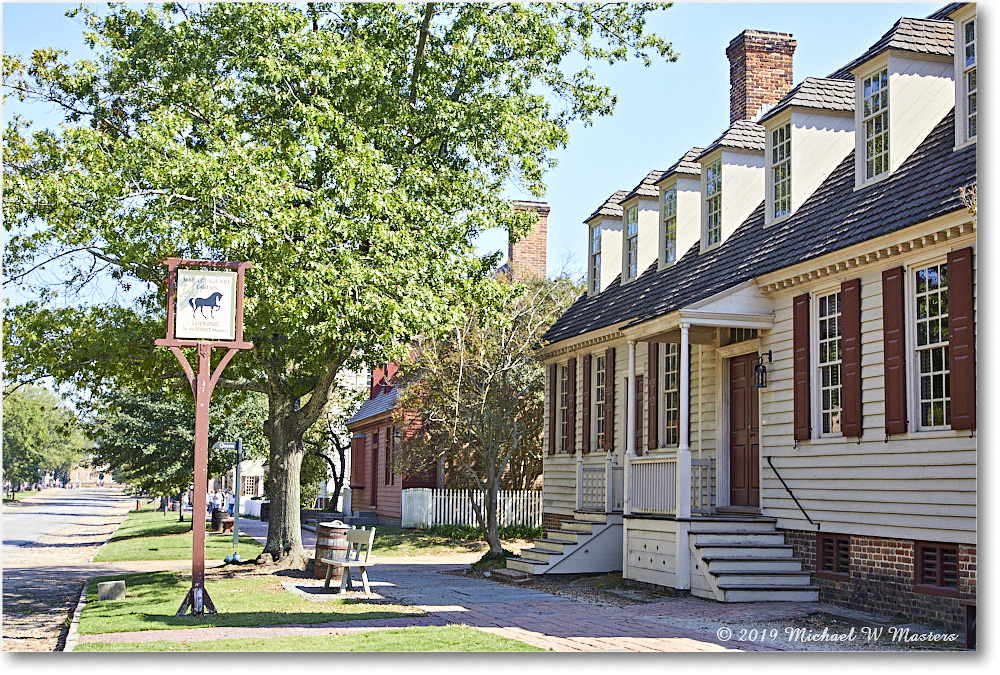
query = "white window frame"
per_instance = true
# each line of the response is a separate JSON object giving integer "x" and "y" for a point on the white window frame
{"x": 668, "y": 206}
{"x": 816, "y": 373}
{"x": 598, "y": 401}
{"x": 664, "y": 382}
{"x": 594, "y": 258}
{"x": 779, "y": 155}
{"x": 562, "y": 409}
{"x": 969, "y": 69}
{"x": 631, "y": 259}
{"x": 712, "y": 204}
{"x": 913, "y": 350}
{"x": 864, "y": 177}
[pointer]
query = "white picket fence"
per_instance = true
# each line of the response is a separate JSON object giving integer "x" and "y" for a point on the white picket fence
{"x": 427, "y": 507}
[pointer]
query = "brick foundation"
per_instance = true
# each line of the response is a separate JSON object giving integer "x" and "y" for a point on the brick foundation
{"x": 551, "y": 521}
{"x": 881, "y": 580}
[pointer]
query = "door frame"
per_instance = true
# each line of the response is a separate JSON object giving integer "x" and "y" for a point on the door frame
{"x": 722, "y": 463}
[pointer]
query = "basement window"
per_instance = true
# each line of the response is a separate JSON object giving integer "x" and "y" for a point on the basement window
{"x": 936, "y": 569}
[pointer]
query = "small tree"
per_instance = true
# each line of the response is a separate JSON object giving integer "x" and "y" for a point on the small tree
{"x": 479, "y": 393}
{"x": 329, "y": 439}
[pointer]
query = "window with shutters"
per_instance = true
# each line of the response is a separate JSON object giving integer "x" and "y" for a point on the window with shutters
{"x": 935, "y": 569}
{"x": 931, "y": 345}
{"x": 713, "y": 204}
{"x": 875, "y": 123}
{"x": 833, "y": 556}
{"x": 632, "y": 243}
{"x": 598, "y": 424}
{"x": 671, "y": 395}
{"x": 595, "y": 259}
{"x": 670, "y": 224}
{"x": 829, "y": 363}
{"x": 563, "y": 406}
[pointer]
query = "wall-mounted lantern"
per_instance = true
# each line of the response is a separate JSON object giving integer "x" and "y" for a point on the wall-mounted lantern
{"x": 760, "y": 371}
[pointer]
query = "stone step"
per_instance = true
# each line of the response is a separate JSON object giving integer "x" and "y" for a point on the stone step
{"x": 763, "y": 578}
{"x": 755, "y": 538}
{"x": 771, "y": 593}
{"x": 721, "y": 565}
{"x": 744, "y": 550}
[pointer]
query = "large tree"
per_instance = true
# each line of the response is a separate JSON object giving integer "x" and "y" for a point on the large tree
{"x": 479, "y": 393}
{"x": 352, "y": 152}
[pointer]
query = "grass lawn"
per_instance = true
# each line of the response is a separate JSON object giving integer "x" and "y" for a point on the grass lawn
{"x": 19, "y": 495}
{"x": 151, "y": 535}
{"x": 152, "y": 598}
{"x": 396, "y": 541}
{"x": 416, "y": 639}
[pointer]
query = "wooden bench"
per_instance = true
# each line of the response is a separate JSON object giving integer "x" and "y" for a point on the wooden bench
{"x": 359, "y": 548}
{"x": 227, "y": 524}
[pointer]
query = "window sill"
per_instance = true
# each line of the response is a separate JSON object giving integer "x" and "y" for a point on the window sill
{"x": 965, "y": 144}
{"x": 936, "y": 590}
{"x": 873, "y": 181}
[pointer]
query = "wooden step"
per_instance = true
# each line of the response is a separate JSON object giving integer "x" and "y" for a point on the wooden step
{"x": 581, "y": 526}
{"x": 755, "y": 538}
{"x": 770, "y": 593}
{"x": 525, "y": 565}
{"x": 552, "y": 544}
{"x": 539, "y": 554}
{"x": 722, "y": 564}
{"x": 591, "y": 516}
{"x": 568, "y": 536}
{"x": 763, "y": 578}
{"x": 744, "y": 550}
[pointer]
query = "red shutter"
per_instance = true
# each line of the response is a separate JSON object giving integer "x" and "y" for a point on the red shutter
{"x": 894, "y": 347}
{"x": 609, "y": 399}
{"x": 585, "y": 412}
{"x": 962, "y": 339}
{"x": 357, "y": 462}
{"x": 553, "y": 396}
{"x": 850, "y": 357}
{"x": 571, "y": 407}
{"x": 800, "y": 361}
{"x": 652, "y": 396}
{"x": 638, "y": 415}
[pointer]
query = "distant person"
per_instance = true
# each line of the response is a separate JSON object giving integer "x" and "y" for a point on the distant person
{"x": 230, "y": 502}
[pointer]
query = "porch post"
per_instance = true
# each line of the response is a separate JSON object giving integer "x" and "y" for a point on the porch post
{"x": 629, "y": 428}
{"x": 609, "y": 475}
{"x": 684, "y": 463}
{"x": 579, "y": 479}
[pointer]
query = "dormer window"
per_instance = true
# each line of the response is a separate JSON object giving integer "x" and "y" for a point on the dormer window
{"x": 595, "y": 259}
{"x": 875, "y": 121}
{"x": 781, "y": 169}
{"x": 670, "y": 224}
{"x": 632, "y": 242}
{"x": 969, "y": 37}
{"x": 713, "y": 203}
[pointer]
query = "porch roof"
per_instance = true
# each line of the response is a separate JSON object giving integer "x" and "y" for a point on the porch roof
{"x": 373, "y": 407}
{"x": 834, "y": 217}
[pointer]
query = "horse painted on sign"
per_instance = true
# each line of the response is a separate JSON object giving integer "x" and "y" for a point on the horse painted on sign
{"x": 212, "y": 302}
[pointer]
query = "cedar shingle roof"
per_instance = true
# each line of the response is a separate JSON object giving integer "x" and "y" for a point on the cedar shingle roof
{"x": 834, "y": 217}
{"x": 817, "y": 93}
{"x": 612, "y": 206}
{"x": 373, "y": 407}
{"x": 918, "y": 36}
{"x": 742, "y": 134}
{"x": 685, "y": 164}
{"x": 646, "y": 187}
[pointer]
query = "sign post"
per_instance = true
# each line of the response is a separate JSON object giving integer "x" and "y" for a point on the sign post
{"x": 204, "y": 310}
{"x": 237, "y": 488}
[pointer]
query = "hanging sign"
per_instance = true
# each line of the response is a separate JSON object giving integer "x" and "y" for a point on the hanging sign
{"x": 206, "y": 305}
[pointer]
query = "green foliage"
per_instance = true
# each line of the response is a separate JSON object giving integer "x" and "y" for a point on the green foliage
{"x": 352, "y": 152}
{"x": 492, "y": 560}
{"x": 148, "y": 438}
{"x": 311, "y": 475}
{"x": 39, "y": 435}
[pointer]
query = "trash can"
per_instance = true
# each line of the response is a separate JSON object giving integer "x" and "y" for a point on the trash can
{"x": 265, "y": 511}
{"x": 331, "y": 542}
{"x": 217, "y": 516}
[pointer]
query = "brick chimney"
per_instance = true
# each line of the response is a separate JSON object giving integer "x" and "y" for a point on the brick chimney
{"x": 760, "y": 71}
{"x": 526, "y": 257}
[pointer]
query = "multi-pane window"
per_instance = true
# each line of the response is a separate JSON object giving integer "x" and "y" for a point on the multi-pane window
{"x": 599, "y": 399}
{"x": 969, "y": 35}
{"x": 632, "y": 242}
{"x": 713, "y": 202}
{"x": 595, "y": 259}
{"x": 671, "y": 395}
{"x": 829, "y": 363}
{"x": 932, "y": 346}
{"x": 670, "y": 224}
{"x": 937, "y": 568}
{"x": 563, "y": 405}
{"x": 833, "y": 554}
{"x": 876, "y": 123}
{"x": 781, "y": 169}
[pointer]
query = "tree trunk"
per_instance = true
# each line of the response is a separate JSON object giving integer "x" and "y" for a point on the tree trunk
{"x": 492, "y": 527}
{"x": 284, "y": 530}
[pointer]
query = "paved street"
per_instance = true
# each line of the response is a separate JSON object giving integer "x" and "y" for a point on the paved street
{"x": 48, "y": 541}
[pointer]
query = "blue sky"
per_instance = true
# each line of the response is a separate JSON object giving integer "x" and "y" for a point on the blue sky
{"x": 662, "y": 110}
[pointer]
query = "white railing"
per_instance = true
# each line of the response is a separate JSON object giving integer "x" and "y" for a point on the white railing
{"x": 701, "y": 486}
{"x": 426, "y": 507}
{"x": 652, "y": 485}
{"x": 617, "y": 488}
{"x": 592, "y": 479}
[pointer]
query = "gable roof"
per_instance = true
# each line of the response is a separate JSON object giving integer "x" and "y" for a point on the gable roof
{"x": 685, "y": 164}
{"x": 934, "y": 37}
{"x": 834, "y": 217}
{"x": 373, "y": 407}
{"x": 611, "y": 207}
{"x": 646, "y": 187}
{"x": 819, "y": 93}
{"x": 741, "y": 134}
